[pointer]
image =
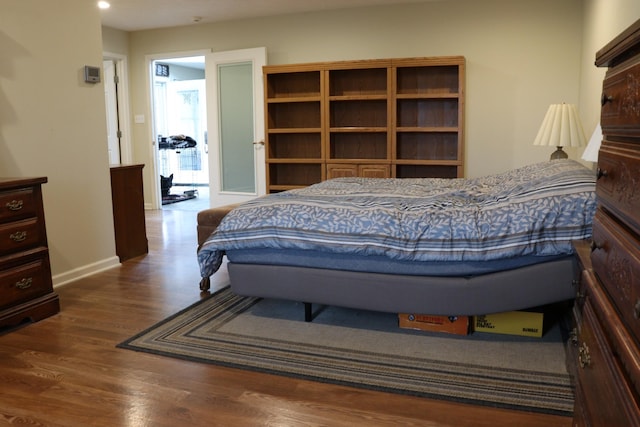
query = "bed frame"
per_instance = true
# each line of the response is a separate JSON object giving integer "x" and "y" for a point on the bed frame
{"x": 515, "y": 289}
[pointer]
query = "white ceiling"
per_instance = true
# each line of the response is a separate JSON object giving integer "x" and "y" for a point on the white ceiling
{"x": 133, "y": 15}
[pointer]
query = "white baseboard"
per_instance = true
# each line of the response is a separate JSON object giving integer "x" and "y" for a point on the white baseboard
{"x": 87, "y": 270}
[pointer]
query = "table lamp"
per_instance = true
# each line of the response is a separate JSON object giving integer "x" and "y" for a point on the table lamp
{"x": 561, "y": 127}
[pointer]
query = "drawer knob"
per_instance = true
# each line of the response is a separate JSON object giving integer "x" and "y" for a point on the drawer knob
{"x": 584, "y": 357}
{"x": 573, "y": 336}
{"x": 594, "y": 245}
{"x": 18, "y": 236}
{"x": 24, "y": 283}
{"x": 600, "y": 173}
{"x": 636, "y": 310}
{"x": 14, "y": 205}
{"x": 605, "y": 98}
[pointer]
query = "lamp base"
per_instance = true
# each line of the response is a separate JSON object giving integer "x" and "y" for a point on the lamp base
{"x": 559, "y": 154}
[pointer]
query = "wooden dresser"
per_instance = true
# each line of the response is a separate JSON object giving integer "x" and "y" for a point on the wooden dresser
{"x": 26, "y": 290}
{"x": 606, "y": 346}
{"x": 129, "y": 223}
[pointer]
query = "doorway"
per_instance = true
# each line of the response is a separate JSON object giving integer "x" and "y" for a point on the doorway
{"x": 208, "y": 126}
{"x": 180, "y": 131}
{"x": 117, "y": 108}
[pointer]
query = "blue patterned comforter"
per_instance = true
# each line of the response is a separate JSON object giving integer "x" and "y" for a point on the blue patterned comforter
{"x": 534, "y": 210}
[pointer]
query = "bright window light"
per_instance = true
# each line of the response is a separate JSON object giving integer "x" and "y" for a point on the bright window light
{"x": 104, "y": 5}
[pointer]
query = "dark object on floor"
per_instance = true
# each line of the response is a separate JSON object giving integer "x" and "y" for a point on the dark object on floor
{"x": 175, "y": 198}
{"x": 166, "y": 182}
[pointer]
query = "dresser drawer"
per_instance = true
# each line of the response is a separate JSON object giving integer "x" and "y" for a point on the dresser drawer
{"x": 616, "y": 258}
{"x": 17, "y": 204}
{"x": 20, "y": 235}
{"x": 621, "y": 108}
{"x": 25, "y": 281}
{"x": 618, "y": 187}
{"x": 602, "y": 377}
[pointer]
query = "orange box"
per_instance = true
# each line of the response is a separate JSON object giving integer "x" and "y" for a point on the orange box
{"x": 458, "y": 325}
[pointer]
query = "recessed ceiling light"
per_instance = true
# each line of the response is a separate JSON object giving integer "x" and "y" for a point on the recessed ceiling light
{"x": 104, "y": 5}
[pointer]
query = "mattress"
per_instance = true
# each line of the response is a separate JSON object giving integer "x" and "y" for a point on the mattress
{"x": 524, "y": 215}
{"x": 381, "y": 264}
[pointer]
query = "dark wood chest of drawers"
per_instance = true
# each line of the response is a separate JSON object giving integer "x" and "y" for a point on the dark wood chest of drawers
{"x": 128, "y": 211}
{"x": 26, "y": 291}
{"x": 607, "y": 313}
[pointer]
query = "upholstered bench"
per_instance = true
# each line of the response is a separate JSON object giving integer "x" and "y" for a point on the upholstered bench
{"x": 209, "y": 219}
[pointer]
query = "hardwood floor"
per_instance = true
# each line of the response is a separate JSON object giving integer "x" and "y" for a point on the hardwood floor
{"x": 66, "y": 370}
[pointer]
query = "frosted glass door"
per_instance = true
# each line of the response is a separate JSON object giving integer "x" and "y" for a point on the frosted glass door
{"x": 235, "y": 83}
{"x": 236, "y": 136}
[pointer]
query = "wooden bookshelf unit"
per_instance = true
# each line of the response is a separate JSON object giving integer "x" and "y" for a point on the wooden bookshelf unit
{"x": 384, "y": 118}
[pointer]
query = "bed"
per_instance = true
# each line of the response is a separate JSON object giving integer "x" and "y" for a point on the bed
{"x": 426, "y": 245}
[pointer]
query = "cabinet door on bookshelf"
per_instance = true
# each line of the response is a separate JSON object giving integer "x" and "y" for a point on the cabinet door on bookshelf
{"x": 341, "y": 170}
{"x": 348, "y": 170}
{"x": 374, "y": 171}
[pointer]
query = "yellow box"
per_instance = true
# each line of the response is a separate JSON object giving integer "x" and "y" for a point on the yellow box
{"x": 458, "y": 325}
{"x": 523, "y": 323}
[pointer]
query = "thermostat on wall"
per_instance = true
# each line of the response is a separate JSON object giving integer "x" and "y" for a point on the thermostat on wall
{"x": 91, "y": 74}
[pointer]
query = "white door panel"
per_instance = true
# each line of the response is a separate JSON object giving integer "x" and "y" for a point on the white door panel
{"x": 236, "y": 125}
{"x": 111, "y": 104}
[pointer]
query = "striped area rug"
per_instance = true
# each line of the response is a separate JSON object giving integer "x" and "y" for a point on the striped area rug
{"x": 367, "y": 349}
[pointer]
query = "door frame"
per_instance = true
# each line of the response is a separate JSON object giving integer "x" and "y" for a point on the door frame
{"x": 120, "y": 61}
{"x": 155, "y": 198}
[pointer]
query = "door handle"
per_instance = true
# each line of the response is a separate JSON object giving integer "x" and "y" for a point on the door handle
{"x": 258, "y": 143}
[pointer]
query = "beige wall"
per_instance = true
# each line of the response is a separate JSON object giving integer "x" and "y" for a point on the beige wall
{"x": 522, "y": 55}
{"x": 115, "y": 41}
{"x": 53, "y": 124}
{"x": 603, "y": 20}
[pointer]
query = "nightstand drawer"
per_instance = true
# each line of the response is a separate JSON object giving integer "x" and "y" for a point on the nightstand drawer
{"x": 17, "y": 204}
{"x": 24, "y": 282}
{"x": 616, "y": 258}
{"x": 20, "y": 235}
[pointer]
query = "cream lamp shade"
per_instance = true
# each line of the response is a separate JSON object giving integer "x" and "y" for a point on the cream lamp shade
{"x": 591, "y": 152}
{"x": 561, "y": 127}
